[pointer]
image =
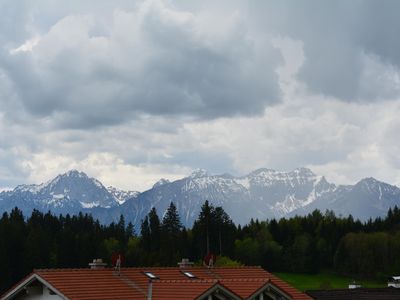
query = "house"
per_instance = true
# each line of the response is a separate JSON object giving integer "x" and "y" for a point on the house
{"x": 357, "y": 293}
{"x": 184, "y": 282}
{"x": 394, "y": 281}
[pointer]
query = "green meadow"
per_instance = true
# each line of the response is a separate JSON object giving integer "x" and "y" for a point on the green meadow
{"x": 325, "y": 280}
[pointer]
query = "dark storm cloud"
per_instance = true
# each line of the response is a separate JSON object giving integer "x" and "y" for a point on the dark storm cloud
{"x": 107, "y": 64}
{"x": 351, "y": 47}
{"x": 154, "y": 60}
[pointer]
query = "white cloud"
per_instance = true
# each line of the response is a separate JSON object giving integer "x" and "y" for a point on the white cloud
{"x": 27, "y": 46}
{"x": 106, "y": 167}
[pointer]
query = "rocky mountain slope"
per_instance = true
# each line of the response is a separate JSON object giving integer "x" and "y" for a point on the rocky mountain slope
{"x": 368, "y": 198}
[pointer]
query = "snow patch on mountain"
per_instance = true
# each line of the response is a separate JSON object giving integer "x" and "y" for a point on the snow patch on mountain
{"x": 244, "y": 182}
{"x": 89, "y": 205}
{"x": 120, "y": 195}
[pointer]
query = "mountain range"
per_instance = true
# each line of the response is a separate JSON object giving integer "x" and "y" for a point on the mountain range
{"x": 262, "y": 194}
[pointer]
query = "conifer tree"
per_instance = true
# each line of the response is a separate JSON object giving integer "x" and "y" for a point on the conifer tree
{"x": 213, "y": 231}
{"x": 154, "y": 225}
{"x": 145, "y": 234}
{"x": 171, "y": 223}
{"x": 171, "y": 233}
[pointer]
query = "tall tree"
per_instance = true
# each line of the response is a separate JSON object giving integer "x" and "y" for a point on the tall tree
{"x": 171, "y": 223}
{"x": 155, "y": 229}
{"x": 145, "y": 234}
{"x": 213, "y": 231}
{"x": 171, "y": 227}
{"x": 203, "y": 229}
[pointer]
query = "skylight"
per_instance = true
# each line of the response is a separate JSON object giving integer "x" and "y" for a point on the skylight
{"x": 151, "y": 275}
{"x": 188, "y": 274}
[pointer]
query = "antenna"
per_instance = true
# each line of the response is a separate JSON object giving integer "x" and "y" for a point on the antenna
{"x": 117, "y": 260}
{"x": 209, "y": 260}
{"x": 150, "y": 290}
{"x": 220, "y": 241}
{"x": 208, "y": 239}
{"x": 118, "y": 264}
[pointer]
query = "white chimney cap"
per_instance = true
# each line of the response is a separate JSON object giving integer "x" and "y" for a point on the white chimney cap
{"x": 97, "y": 264}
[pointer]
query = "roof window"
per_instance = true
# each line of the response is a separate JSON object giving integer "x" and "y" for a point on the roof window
{"x": 188, "y": 274}
{"x": 151, "y": 275}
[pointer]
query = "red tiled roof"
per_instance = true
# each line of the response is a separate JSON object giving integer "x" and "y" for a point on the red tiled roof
{"x": 171, "y": 283}
{"x": 188, "y": 289}
{"x": 286, "y": 287}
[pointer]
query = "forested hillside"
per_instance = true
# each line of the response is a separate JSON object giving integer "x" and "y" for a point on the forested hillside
{"x": 300, "y": 244}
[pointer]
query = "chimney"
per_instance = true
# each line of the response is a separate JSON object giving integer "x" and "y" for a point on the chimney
{"x": 97, "y": 264}
{"x": 185, "y": 263}
{"x": 354, "y": 285}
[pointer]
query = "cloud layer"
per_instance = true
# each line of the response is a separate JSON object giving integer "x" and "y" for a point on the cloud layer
{"x": 85, "y": 71}
{"x": 148, "y": 89}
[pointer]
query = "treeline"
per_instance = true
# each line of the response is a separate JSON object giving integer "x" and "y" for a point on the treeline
{"x": 300, "y": 244}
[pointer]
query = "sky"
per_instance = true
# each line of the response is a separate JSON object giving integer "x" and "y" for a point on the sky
{"x": 134, "y": 91}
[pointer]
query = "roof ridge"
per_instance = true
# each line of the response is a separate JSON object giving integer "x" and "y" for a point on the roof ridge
{"x": 197, "y": 267}
{"x": 146, "y": 268}
{"x": 212, "y": 280}
{"x": 67, "y": 269}
{"x": 258, "y": 279}
{"x": 185, "y": 280}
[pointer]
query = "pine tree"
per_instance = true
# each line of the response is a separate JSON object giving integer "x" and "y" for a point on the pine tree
{"x": 171, "y": 223}
{"x": 130, "y": 231}
{"x": 145, "y": 234}
{"x": 171, "y": 233}
{"x": 213, "y": 231}
{"x": 155, "y": 227}
{"x": 202, "y": 228}
{"x": 226, "y": 231}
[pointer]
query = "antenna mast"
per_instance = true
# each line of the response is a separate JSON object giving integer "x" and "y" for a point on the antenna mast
{"x": 118, "y": 264}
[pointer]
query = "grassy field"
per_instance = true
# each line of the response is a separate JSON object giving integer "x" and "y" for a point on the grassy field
{"x": 325, "y": 280}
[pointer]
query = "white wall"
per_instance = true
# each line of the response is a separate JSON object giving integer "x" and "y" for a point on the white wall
{"x": 38, "y": 293}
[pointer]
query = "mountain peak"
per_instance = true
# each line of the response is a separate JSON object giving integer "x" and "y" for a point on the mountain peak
{"x": 197, "y": 173}
{"x": 373, "y": 185}
{"x": 270, "y": 172}
{"x": 74, "y": 173}
{"x": 368, "y": 182}
{"x": 304, "y": 171}
{"x": 261, "y": 171}
{"x": 161, "y": 182}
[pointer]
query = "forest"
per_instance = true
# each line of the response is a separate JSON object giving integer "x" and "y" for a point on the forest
{"x": 309, "y": 244}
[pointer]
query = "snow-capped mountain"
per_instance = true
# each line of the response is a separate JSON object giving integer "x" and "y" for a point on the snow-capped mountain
{"x": 67, "y": 193}
{"x": 262, "y": 194}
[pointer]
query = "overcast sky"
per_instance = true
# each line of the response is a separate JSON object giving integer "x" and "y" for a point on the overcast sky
{"x": 134, "y": 91}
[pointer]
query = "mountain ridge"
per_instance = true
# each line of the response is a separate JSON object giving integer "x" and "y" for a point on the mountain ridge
{"x": 263, "y": 194}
